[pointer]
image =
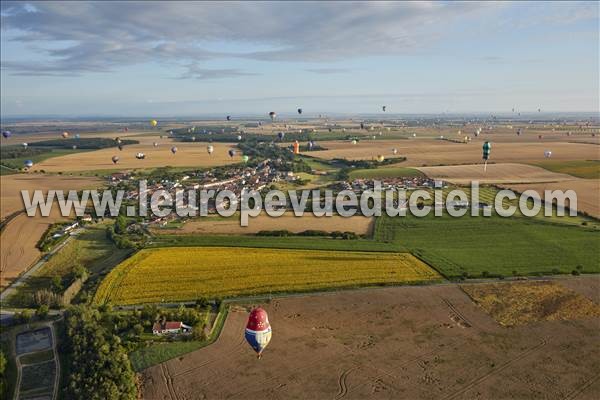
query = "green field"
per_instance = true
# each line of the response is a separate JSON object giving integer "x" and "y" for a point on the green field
{"x": 385, "y": 172}
{"x": 588, "y": 169}
{"x": 496, "y": 245}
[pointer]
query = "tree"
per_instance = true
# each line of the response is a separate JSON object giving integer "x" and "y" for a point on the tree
{"x": 42, "y": 311}
{"x": 57, "y": 285}
{"x": 120, "y": 225}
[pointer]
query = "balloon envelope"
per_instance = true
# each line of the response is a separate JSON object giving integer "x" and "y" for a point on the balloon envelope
{"x": 258, "y": 330}
{"x": 115, "y": 159}
{"x": 28, "y": 163}
{"x": 6, "y": 134}
{"x": 153, "y": 122}
{"x": 173, "y": 149}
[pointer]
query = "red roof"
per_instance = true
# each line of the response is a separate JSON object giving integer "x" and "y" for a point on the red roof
{"x": 166, "y": 326}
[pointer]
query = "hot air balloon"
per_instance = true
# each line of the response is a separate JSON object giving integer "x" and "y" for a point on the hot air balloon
{"x": 65, "y": 135}
{"x": 229, "y": 118}
{"x": 383, "y": 108}
{"x": 281, "y": 135}
{"x": 231, "y": 153}
{"x": 155, "y": 144}
{"x": 115, "y": 159}
{"x": 394, "y": 151}
{"x": 239, "y": 137}
{"x": 272, "y": 114}
{"x": 120, "y": 147}
{"x": 210, "y": 149}
{"x": 245, "y": 158}
{"x": 540, "y": 137}
{"x": 258, "y": 330}
{"x": 519, "y": 132}
{"x": 153, "y": 122}
{"x": 487, "y": 148}
{"x": 28, "y": 163}
{"x": 77, "y": 136}
{"x": 173, "y": 149}
{"x": 74, "y": 147}
{"x": 547, "y": 154}
{"x": 362, "y": 125}
{"x": 126, "y": 129}
{"x": 299, "y": 111}
{"x": 6, "y": 134}
{"x": 296, "y": 147}
{"x": 140, "y": 156}
{"x": 118, "y": 139}
{"x": 310, "y": 144}
{"x": 380, "y": 158}
{"x": 354, "y": 141}
{"x": 24, "y": 145}
{"x": 414, "y": 135}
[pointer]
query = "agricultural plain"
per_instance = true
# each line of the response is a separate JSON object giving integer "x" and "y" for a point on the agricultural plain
{"x": 427, "y": 342}
{"x": 178, "y": 274}
{"x": 189, "y": 154}
{"x": 431, "y": 152}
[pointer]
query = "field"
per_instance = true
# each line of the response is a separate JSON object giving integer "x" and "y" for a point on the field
{"x": 495, "y": 173}
{"x": 429, "y": 342}
{"x": 189, "y": 154}
{"x": 21, "y": 234}
{"x": 428, "y": 152}
{"x": 524, "y": 302}
{"x": 493, "y": 245}
{"x": 178, "y": 274}
{"x": 384, "y": 172}
{"x": 588, "y": 192}
{"x": 208, "y": 225}
{"x": 587, "y": 169}
{"x": 91, "y": 249}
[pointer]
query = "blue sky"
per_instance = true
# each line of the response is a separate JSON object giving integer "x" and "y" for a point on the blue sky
{"x": 198, "y": 58}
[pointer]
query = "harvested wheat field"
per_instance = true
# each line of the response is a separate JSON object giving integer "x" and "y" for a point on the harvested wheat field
{"x": 495, "y": 173}
{"x": 428, "y": 342}
{"x": 427, "y": 152}
{"x": 524, "y": 302}
{"x": 358, "y": 224}
{"x": 588, "y": 192}
{"x": 188, "y": 155}
{"x": 11, "y": 186}
{"x": 21, "y": 234}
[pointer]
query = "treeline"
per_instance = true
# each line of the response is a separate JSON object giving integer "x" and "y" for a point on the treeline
{"x": 12, "y": 152}
{"x": 311, "y": 232}
{"x": 98, "y": 366}
{"x": 84, "y": 143}
{"x": 366, "y": 164}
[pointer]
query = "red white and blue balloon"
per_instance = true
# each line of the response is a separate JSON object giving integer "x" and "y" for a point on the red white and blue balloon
{"x": 258, "y": 330}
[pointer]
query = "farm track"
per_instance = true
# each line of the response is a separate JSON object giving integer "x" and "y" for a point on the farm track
{"x": 494, "y": 371}
{"x": 579, "y": 390}
{"x": 456, "y": 312}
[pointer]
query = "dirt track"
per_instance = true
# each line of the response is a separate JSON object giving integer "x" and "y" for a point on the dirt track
{"x": 396, "y": 343}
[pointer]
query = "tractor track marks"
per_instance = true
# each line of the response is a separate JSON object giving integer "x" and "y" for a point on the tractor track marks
{"x": 494, "y": 371}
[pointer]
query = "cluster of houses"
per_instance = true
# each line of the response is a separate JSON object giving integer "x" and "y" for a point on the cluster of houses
{"x": 407, "y": 183}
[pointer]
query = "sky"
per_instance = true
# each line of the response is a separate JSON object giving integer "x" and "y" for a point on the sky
{"x": 200, "y": 58}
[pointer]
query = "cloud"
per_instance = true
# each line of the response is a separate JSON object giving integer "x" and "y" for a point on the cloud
{"x": 196, "y": 72}
{"x": 328, "y": 71}
{"x": 71, "y": 38}
{"x": 81, "y": 37}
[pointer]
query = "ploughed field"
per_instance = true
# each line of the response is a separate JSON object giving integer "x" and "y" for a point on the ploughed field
{"x": 179, "y": 274}
{"x": 429, "y": 342}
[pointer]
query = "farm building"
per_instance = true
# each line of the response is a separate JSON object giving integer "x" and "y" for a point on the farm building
{"x": 170, "y": 328}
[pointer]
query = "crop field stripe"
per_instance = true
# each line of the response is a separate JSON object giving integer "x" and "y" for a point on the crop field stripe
{"x": 180, "y": 274}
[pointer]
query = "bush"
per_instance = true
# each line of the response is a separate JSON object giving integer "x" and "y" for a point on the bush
{"x": 42, "y": 311}
{"x": 555, "y": 271}
{"x": 485, "y": 274}
{"x": 575, "y": 272}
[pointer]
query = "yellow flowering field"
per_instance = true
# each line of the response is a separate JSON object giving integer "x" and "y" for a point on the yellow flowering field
{"x": 175, "y": 274}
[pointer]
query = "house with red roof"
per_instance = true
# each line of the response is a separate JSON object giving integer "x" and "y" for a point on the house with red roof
{"x": 170, "y": 328}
